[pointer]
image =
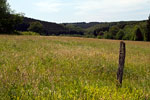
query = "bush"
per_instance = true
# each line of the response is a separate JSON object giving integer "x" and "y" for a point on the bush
{"x": 108, "y": 35}
{"x": 29, "y": 33}
{"x": 36, "y": 27}
{"x": 99, "y": 37}
{"x": 88, "y": 35}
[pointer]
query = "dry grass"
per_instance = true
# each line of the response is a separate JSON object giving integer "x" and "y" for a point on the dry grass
{"x": 67, "y": 68}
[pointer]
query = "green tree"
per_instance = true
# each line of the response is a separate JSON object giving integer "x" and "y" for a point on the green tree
{"x": 8, "y": 19}
{"x": 36, "y": 27}
{"x": 4, "y": 8}
{"x": 137, "y": 34}
{"x": 4, "y": 12}
{"x": 147, "y": 34}
{"x": 120, "y": 35}
{"x": 113, "y": 31}
{"x": 128, "y": 30}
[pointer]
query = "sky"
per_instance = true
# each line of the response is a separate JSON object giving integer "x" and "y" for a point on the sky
{"x": 61, "y": 11}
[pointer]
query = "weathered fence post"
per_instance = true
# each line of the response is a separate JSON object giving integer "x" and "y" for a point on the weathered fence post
{"x": 122, "y": 54}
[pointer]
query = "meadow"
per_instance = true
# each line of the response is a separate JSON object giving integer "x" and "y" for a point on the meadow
{"x": 71, "y": 68}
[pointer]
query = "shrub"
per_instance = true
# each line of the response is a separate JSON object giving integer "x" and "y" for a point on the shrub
{"x": 36, "y": 27}
{"x": 29, "y": 33}
{"x": 88, "y": 35}
{"x": 108, "y": 35}
{"x": 99, "y": 37}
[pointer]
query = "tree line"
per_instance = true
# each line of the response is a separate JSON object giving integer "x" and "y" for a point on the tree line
{"x": 138, "y": 31}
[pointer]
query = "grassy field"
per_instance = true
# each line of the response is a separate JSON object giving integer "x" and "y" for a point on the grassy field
{"x": 69, "y": 68}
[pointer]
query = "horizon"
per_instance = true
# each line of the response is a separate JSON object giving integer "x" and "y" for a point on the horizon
{"x": 88, "y": 22}
{"x": 76, "y": 11}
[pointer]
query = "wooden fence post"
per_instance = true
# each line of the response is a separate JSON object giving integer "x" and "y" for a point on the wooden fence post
{"x": 122, "y": 54}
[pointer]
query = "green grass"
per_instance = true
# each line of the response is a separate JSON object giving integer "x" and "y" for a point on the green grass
{"x": 69, "y": 68}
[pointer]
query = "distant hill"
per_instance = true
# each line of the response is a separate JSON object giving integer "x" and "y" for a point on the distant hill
{"x": 49, "y": 27}
{"x": 76, "y": 29}
{"x": 84, "y": 24}
{"x": 93, "y": 24}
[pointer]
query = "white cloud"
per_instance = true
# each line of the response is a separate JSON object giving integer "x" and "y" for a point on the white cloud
{"x": 49, "y": 6}
{"x": 105, "y": 6}
{"x": 91, "y": 10}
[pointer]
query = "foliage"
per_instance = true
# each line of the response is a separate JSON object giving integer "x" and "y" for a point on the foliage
{"x": 95, "y": 30}
{"x": 36, "y": 27}
{"x": 143, "y": 28}
{"x": 113, "y": 31}
{"x": 137, "y": 34}
{"x": 108, "y": 35}
{"x": 29, "y": 33}
{"x": 128, "y": 30}
{"x": 72, "y": 29}
{"x": 89, "y": 35}
{"x": 8, "y": 19}
{"x": 147, "y": 34}
{"x": 4, "y": 8}
{"x": 120, "y": 35}
{"x": 99, "y": 37}
{"x": 106, "y": 30}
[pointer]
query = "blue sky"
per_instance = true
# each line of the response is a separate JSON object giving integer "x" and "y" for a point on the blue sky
{"x": 83, "y": 10}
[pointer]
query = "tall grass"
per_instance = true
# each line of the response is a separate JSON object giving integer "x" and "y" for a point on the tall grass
{"x": 69, "y": 68}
